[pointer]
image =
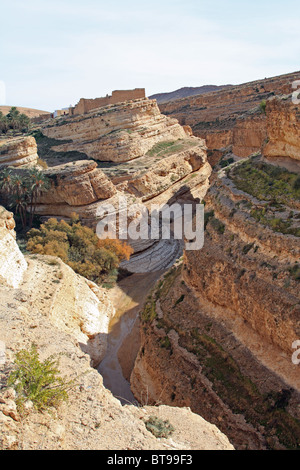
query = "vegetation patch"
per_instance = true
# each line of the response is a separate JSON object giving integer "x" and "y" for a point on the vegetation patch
{"x": 276, "y": 224}
{"x": 38, "y": 381}
{"x": 267, "y": 182}
{"x": 80, "y": 248}
{"x": 148, "y": 314}
{"x": 217, "y": 225}
{"x": 179, "y": 300}
{"x": 19, "y": 192}
{"x": 295, "y": 272}
{"x": 159, "y": 427}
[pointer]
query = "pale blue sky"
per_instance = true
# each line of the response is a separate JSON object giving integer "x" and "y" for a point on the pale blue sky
{"x": 52, "y": 53}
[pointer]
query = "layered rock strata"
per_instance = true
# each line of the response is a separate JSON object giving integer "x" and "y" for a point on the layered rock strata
{"x": 283, "y": 122}
{"x": 164, "y": 163}
{"x": 18, "y": 152}
{"x": 75, "y": 184}
{"x": 223, "y": 116}
{"x": 218, "y": 330}
{"x": 63, "y": 314}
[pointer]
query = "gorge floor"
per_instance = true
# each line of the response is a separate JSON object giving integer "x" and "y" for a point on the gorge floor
{"x": 128, "y": 297}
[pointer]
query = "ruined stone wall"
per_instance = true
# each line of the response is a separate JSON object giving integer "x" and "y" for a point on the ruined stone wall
{"x": 42, "y": 117}
{"x": 124, "y": 95}
{"x": 118, "y": 96}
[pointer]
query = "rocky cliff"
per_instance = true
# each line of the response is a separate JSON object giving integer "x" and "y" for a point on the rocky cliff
{"x": 18, "y": 152}
{"x": 283, "y": 138}
{"x": 115, "y": 133}
{"x": 218, "y": 330}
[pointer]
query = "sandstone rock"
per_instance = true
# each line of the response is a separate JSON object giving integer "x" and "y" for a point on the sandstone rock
{"x": 283, "y": 121}
{"x": 116, "y": 133}
{"x": 166, "y": 172}
{"x": 217, "y": 332}
{"x": 12, "y": 262}
{"x": 76, "y": 184}
{"x": 230, "y": 116}
{"x": 18, "y": 152}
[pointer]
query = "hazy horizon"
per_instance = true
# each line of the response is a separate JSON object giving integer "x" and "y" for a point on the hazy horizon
{"x": 54, "y": 53}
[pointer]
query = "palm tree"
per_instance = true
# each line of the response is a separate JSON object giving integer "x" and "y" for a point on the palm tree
{"x": 23, "y": 190}
{"x": 37, "y": 183}
{"x": 5, "y": 185}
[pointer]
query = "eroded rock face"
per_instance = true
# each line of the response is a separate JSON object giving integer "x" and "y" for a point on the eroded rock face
{"x": 283, "y": 123}
{"x": 12, "y": 262}
{"x": 71, "y": 303}
{"x": 116, "y": 133}
{"x": 18, "y": 152}
{"x": 76, "y": 184}
{"x": 170, "y": 166}
{"x": 168, "y": 171}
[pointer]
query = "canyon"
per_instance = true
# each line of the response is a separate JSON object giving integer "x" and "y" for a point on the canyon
{"x": 219, "y": 326}
{"x": 203, "y": 338}
{"x": 50, "y": 306}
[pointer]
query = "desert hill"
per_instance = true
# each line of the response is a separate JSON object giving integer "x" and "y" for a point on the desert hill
{"x": 185, "y": 92}
{"x": 30, "y": 112}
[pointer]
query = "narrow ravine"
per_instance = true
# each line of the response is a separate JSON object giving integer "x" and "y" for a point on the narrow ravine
{"x": 123, "y": 339}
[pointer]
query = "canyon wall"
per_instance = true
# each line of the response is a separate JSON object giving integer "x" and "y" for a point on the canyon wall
{"x": 230, "y": 119}
{"x": 217, "y": 332}
{"x": 283, "y": 138}
{"x": 118, "y": 96}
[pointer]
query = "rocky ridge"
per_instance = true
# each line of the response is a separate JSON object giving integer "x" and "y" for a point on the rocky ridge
{"x": 115, "y": 133}
{"x": 230, "y": 120}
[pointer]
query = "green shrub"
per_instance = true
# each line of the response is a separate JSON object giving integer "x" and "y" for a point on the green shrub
{"x": 179, "y": 300}
{"x": 267, "y": 182}
{"x": 158, "y": 427}
{"x": 39, "y": 382}
{"x": 262, "y": 106}
{"x": 80, "y": 248}
{"x": 217, "y": 225}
